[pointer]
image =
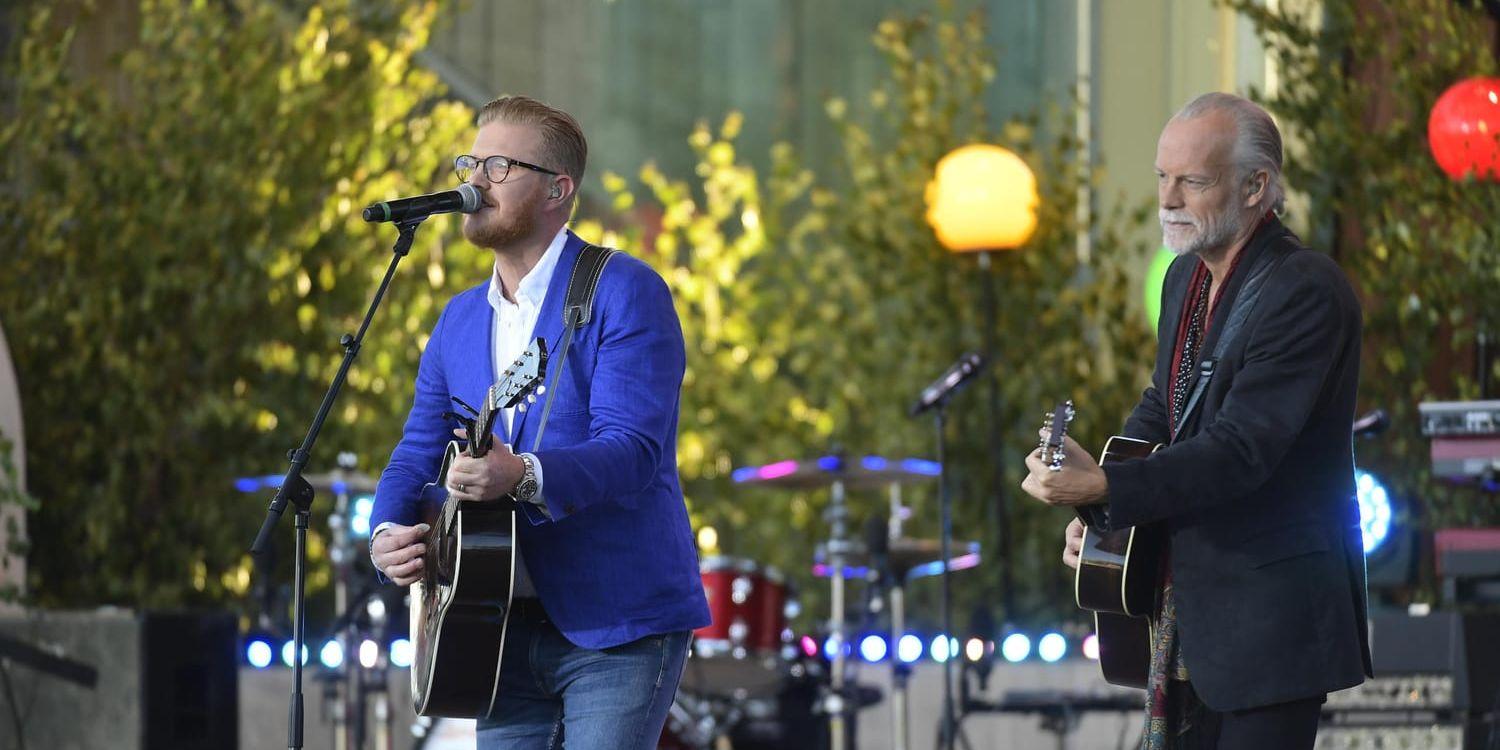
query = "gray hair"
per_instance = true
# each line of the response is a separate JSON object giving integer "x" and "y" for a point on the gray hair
{"x": 1257, "y": 142}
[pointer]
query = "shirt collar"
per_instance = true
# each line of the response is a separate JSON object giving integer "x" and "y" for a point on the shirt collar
{"x": 533, "y": 286}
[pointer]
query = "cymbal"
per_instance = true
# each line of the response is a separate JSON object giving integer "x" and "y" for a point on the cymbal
{"x": 910, "y": 559}
{"x": 855, "y": 473}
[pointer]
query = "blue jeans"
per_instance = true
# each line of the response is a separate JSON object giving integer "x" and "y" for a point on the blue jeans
{"x": 554, "y": 694}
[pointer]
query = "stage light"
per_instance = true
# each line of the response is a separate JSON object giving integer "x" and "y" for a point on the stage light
{"x": 1374, "y": 509}
{"x": 1052, "y": 647}
{"x": 286, "y": 653}
{"x": 402, "y": 652}
{"x": 359, "y": 520}
{"x": 258, "y": 653}
{"x": 332, "y": 654}
{"x": 1091, "y": 647}
{"x": 830, "y": 644}
{"x": 982, "y": 197}
{"x": 873, "y": 648}
{"x": 1016, "y": 647}
{"x": 943, "y": 647}
{"x": 369, "y": 654}
{"x": 974, "y": 649}
{"x": 809, "y": 646}
{"x": 909, "y": 648}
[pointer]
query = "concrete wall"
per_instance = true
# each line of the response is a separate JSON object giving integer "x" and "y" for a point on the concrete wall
{"x": 12, "y": 566}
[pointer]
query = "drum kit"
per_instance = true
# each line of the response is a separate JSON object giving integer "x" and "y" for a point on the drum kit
{"x": 750, "y": 683}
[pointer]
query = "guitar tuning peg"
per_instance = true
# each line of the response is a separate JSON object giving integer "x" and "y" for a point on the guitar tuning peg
{"x": 531, "y": 399}
{"x": 521, "y": 407}
{"x": 541, "y": 389}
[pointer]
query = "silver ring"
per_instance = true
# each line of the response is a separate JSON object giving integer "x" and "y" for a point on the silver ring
{"x": 461, "y": 487}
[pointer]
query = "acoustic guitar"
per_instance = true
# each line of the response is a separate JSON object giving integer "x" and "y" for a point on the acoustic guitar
{"x": 1119, "y": 570}
{"x": 460, "y": 607}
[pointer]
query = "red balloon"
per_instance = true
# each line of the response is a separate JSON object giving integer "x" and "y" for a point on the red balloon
{"x": 1464, "y": 129}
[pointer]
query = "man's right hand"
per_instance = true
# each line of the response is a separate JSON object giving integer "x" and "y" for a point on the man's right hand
{"x": 397, "y": 552}
{"x": 1073, "y": 543}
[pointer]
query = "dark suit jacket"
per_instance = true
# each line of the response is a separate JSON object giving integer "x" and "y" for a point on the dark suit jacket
{"x": 1258, "y": 492}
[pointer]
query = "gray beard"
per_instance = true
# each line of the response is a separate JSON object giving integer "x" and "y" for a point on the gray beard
{"x": 1215, "y": 236}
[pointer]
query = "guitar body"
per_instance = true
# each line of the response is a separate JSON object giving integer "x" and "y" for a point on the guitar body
{"x": 460, "y": 608}
{"x": 1117, "y": 579}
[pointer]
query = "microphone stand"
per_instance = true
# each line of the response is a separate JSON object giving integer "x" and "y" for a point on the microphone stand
{"x": 296, "y": 490}
{"x": 945, "y": 540}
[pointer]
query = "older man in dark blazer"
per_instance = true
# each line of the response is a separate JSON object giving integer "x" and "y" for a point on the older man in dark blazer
{"x": 1262, "y": 611}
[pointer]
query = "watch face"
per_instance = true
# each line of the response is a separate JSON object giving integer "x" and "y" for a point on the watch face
{"x": 526, "y": 489}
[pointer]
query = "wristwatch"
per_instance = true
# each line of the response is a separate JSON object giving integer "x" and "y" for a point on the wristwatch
{"x": 527, "y": 487}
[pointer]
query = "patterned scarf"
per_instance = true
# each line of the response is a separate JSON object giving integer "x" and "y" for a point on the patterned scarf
{"x": 1167, "y": 714}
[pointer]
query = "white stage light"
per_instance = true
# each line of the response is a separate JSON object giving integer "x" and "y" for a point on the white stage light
{"x": 1016, "y": 647}
{"x": 258, "y": 653}
{"x": 1052, "y": 647}
{"x": 402, "y": 652}
{"x": 909, "y": 648}
{"x": 872, "y": 648}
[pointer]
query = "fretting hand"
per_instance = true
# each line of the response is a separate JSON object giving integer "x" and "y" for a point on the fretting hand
{"x": 488, "y": 477}
{"x": 1080, "y": 481}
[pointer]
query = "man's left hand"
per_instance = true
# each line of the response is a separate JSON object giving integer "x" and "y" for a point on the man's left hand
{"x": 1079, "y": 482}
{"x": 489, "y": 477}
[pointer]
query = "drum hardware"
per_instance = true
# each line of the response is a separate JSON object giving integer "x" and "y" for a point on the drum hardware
{"x": 839, "y": 475}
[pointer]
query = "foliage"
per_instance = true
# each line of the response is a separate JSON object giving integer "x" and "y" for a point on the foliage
{"x": 816, "y": 313}
{"x": 186, "y": 252}
{"x": 13, "y": 498}
{"x": 1424, "y": 250}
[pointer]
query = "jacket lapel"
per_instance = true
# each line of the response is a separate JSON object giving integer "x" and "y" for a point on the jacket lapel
{"x": 549, "y": 328}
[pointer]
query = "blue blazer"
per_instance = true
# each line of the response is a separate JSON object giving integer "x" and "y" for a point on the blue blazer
{"x": 617, "y": 561}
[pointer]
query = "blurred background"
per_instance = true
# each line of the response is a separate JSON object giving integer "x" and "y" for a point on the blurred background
{"x": 181, "y": 250}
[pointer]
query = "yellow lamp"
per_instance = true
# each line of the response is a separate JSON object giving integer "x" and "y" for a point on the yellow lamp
{"x": 982, "y": 197}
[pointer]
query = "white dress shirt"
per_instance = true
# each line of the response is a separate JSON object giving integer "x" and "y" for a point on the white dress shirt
{"x": 513, "y": 324}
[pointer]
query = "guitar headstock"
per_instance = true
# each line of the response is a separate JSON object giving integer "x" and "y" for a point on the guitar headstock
{"x": 1056, "y": 428}
{"x": 520, "y": 382}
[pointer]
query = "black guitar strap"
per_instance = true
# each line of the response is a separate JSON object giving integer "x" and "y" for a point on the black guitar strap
{"x": 578, "y": 308}
{"x": 1244, "y": 302}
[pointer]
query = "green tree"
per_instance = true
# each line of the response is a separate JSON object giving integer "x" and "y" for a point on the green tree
{"x": 186, "y": 250}
{"x": 1357, "y": 82}
{"x": 816, "y": 308}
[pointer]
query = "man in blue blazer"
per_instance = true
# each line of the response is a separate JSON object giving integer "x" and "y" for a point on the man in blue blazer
{"x": 607, "y": 585}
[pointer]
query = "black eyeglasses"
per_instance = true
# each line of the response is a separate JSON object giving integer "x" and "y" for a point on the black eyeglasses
{"x": 496, "y": 168}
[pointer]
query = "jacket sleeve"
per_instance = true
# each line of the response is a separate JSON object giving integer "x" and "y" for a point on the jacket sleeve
{"x": 418, "y": 456}
{"x": 633, "y": 397}
{"x": 1290, "y": 352}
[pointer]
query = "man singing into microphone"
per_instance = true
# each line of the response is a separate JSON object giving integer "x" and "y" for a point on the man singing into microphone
{"x": 607, "y": 586}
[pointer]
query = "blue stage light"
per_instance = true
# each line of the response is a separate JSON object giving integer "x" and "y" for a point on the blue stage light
{"x": 1374, "y": 509}
{"x": 359, "y": 519}
{"x": 258, "y": 653}
{"x": 1016, "y": 647}
{"x": 1052, "y": 647}
{"x": 332, "y": 654}
{"x": 909, "y": 648}
{"x": 873, "y": 648}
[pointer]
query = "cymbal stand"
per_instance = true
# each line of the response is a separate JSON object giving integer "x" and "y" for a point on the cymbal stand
{"x": 834, "y": 702}
{"x": 900, "y": 670}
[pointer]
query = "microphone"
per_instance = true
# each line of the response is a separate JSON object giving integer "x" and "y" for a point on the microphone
{"x": 464, "y": 199}
{"x": 1371, "y": 424}
{"x": 965, "y": 368}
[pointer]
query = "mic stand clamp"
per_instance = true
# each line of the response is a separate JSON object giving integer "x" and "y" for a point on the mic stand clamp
{"x": 296, "y": 490}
